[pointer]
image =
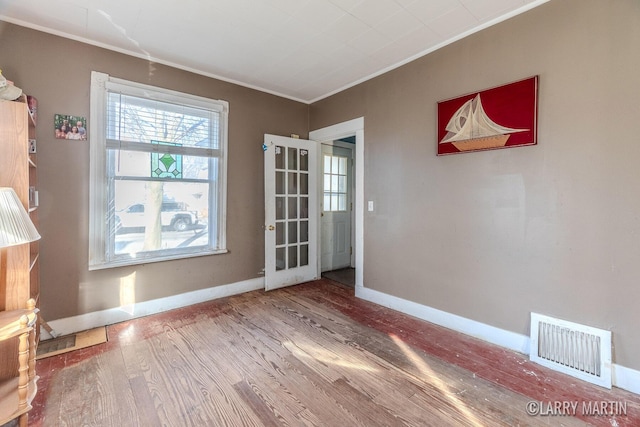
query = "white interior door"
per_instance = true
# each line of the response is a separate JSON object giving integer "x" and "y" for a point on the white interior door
{"x": 336, "y": 208}
{"x": 291, "y": 214}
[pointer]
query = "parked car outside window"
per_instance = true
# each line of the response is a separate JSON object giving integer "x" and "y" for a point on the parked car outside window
{"x": 173, "y": 215}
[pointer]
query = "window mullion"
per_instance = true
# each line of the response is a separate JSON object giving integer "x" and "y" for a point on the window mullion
{"x": 115, "y": 144}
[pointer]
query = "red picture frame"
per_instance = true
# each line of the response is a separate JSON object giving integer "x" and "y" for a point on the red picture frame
{"x": 500, "y": 117}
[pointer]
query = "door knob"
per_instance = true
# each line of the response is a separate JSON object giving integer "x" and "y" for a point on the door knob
{"x": 271, "y": 228}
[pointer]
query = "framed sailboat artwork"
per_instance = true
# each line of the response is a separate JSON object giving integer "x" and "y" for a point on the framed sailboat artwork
{"x": 500, "y": 117}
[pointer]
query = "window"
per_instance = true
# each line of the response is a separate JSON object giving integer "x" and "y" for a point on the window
{"x": 335, "y": 183}
{"x": 158, "y": 174}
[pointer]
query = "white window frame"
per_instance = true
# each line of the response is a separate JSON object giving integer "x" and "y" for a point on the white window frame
{"x": 99, "y": 256}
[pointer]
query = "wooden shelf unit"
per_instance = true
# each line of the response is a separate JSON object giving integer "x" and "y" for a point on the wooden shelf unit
{"x": 20, "y": 281}
{"x": 18, "y": 169}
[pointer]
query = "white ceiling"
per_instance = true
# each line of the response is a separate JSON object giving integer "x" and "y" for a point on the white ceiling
{"x": 300, "y": 49}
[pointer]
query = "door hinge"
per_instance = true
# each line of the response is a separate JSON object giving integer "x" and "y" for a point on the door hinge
{"x": 351, "y": 205}
{"x": 350, "y": 250}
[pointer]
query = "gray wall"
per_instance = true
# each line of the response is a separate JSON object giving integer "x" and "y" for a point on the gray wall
{"x": 57, "y": 72}
{"x": 494, "y": 235}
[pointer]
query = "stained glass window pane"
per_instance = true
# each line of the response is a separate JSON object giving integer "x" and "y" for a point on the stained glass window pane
{"x": 166, "y": 165}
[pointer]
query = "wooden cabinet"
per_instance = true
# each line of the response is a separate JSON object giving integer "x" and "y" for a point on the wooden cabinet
{"x": 19, "y": 269}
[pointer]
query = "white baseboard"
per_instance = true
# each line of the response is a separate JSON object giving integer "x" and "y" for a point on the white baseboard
{"x": 622, "y": 377}
{"x": 483, "y": 331}
{"x": 110, "y": 316}
{"x": 626, "y": 378}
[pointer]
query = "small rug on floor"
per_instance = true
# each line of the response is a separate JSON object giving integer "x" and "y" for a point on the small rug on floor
{"x": 72, "y": 342}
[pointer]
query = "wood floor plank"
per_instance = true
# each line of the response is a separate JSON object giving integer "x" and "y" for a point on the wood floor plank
{"x": 94, "y": 393}
{"x": 144, "y": 401}
{"x": 264, "y": 413}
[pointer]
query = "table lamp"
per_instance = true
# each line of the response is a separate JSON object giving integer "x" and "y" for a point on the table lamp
{"x": 16, "y": 227}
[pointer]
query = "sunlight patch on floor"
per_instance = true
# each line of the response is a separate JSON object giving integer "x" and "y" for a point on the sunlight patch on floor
{"x": 435, "y": 380}
{"x": 303, "y": 351}
{"x": 128, "y": 293}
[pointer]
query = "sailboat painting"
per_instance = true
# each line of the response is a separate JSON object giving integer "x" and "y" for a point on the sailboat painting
{"x": 501, "y": 117}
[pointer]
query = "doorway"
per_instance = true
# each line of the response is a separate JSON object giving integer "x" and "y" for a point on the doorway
{"x": 350, "y": 129}
{"x": 336, "y": 211}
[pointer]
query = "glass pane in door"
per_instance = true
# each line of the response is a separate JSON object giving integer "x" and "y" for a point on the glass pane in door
{"x": 293, "y": 207}
{"x": 280, "y": 259}
{"x": 280, "y": 208}
{"x": 304, "y": 255}
{"x": 279, "y": 157}
{"x": 335, "y": 183}
{"x": 293, "y": 257}
{"x": 304, "y": 207}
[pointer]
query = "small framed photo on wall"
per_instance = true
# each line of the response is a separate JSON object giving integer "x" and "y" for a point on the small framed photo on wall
{"x": 70, "y": 127}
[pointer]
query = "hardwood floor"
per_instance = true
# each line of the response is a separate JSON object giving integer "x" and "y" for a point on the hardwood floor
{"x": 312, "y": 354}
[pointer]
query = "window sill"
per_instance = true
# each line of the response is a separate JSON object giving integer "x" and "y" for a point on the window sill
{"x": 142, "y": 261}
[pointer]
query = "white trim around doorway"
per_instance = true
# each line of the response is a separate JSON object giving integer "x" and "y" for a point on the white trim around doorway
{"x": 343, "y": 130}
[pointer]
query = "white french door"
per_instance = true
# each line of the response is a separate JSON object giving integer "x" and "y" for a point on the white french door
{"x": 291, "y": 214}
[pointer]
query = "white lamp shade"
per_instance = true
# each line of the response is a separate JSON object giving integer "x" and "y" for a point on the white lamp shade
{"x": 16, "y": 227}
